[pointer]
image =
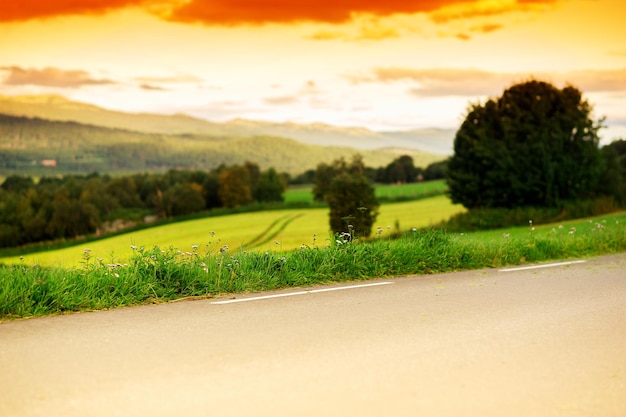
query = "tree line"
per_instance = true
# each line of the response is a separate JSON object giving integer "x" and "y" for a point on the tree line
{"x": 77, "y": 205}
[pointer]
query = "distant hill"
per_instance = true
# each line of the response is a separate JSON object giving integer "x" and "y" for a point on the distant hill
{"x": 35, "y": 146}
{"x": 57, "y": 108}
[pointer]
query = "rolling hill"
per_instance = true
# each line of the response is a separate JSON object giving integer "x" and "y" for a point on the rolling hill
{"x": 35, "y": 146}
{"x": 57, "y": 108}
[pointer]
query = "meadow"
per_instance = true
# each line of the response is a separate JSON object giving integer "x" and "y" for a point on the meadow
{"x": 384, "y": 192}
{"x": 162, "y": 274}
{"x": 284, "y": 230}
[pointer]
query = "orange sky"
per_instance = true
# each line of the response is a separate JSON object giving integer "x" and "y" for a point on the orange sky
{"x": 387, "y": 65}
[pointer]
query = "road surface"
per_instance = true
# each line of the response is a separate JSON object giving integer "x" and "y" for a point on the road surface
{"x": 535, "y": 342}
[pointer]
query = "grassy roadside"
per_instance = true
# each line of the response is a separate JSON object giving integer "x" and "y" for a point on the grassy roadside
{"x": 163, "y": 274}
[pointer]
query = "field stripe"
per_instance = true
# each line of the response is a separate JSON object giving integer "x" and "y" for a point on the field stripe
{"x": 524, "y": 268}
{"x": 291, "y": 294}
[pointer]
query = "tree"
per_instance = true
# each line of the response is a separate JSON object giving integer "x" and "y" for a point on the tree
{"x": 400, "y": 170}
{"x": 613, "y": 180}
{"x": 254, "y": 175}
{"x": 17, "y": 184}
{"x": 234, "y": 189}
{"x": 536, "y": 145}
{"x": 350, "y": 197}
{"x": 181, "y": 199}
{"x": 124, "y": 191}
{"x": 435, "y": 171}
{"x": 270, "y": 186}
{"x": 325, "y": 174}
{"x": 210, "y": 188}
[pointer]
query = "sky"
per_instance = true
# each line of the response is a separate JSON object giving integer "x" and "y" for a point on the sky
{"x": 382, "y": 64}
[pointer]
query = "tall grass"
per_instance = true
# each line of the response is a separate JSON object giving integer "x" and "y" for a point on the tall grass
{"x": 161, "y": 274}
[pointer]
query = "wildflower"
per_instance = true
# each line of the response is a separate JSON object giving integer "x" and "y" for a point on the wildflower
{"x": 133, "y": 247}
{"x": 276, "y": 242}
{"x": 194, "y": 247}
{"x": 223, "y": 248}
{"x": 560, "y": 226}
{"x": 212, "y": 233}
{"x": 506, "y": 235}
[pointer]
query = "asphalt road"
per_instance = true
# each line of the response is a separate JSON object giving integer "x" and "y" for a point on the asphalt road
{"x": 539, "y": 342}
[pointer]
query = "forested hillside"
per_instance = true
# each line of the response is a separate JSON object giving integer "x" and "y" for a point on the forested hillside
{"x": 35, "y": 146}
{"x": 57, "y": 108}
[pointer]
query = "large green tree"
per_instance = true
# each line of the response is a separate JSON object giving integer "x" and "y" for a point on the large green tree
{"x": 536, "y": 145}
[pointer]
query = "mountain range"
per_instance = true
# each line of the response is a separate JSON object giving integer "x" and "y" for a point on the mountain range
{"x": 50, "y": 135}
{"x": 57, "y": 108}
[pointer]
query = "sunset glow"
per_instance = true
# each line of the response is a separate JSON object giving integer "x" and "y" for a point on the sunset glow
{"x": 386, "y": 65}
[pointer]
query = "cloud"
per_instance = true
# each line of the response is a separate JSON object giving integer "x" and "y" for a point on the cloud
{"x": 261, "y": 12}
{"x": 281, "y": 100}
{"x": 308, "y": 90}
{"x": 478, "y": 8}
{"x": 486, "y": 28}
{"x": 366, "y": 30}
{"x": 170, "y": 80}
{"x": 150, "y": 87}
{"x": 255, "y": 12}
{"x": 37, "y": 9}
{"x": 439, "y": 82}
{"x": 605, "y": 81}
{"x": 49, "y": 77}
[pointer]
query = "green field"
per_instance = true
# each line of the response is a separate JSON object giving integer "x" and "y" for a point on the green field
{"x": 278, "y": 230}
{"x": 383, "y": 191}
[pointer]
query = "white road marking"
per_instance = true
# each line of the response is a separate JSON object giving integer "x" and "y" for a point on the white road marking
{"x": 523, "y": 268}
{"x": 290, "y": 294}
